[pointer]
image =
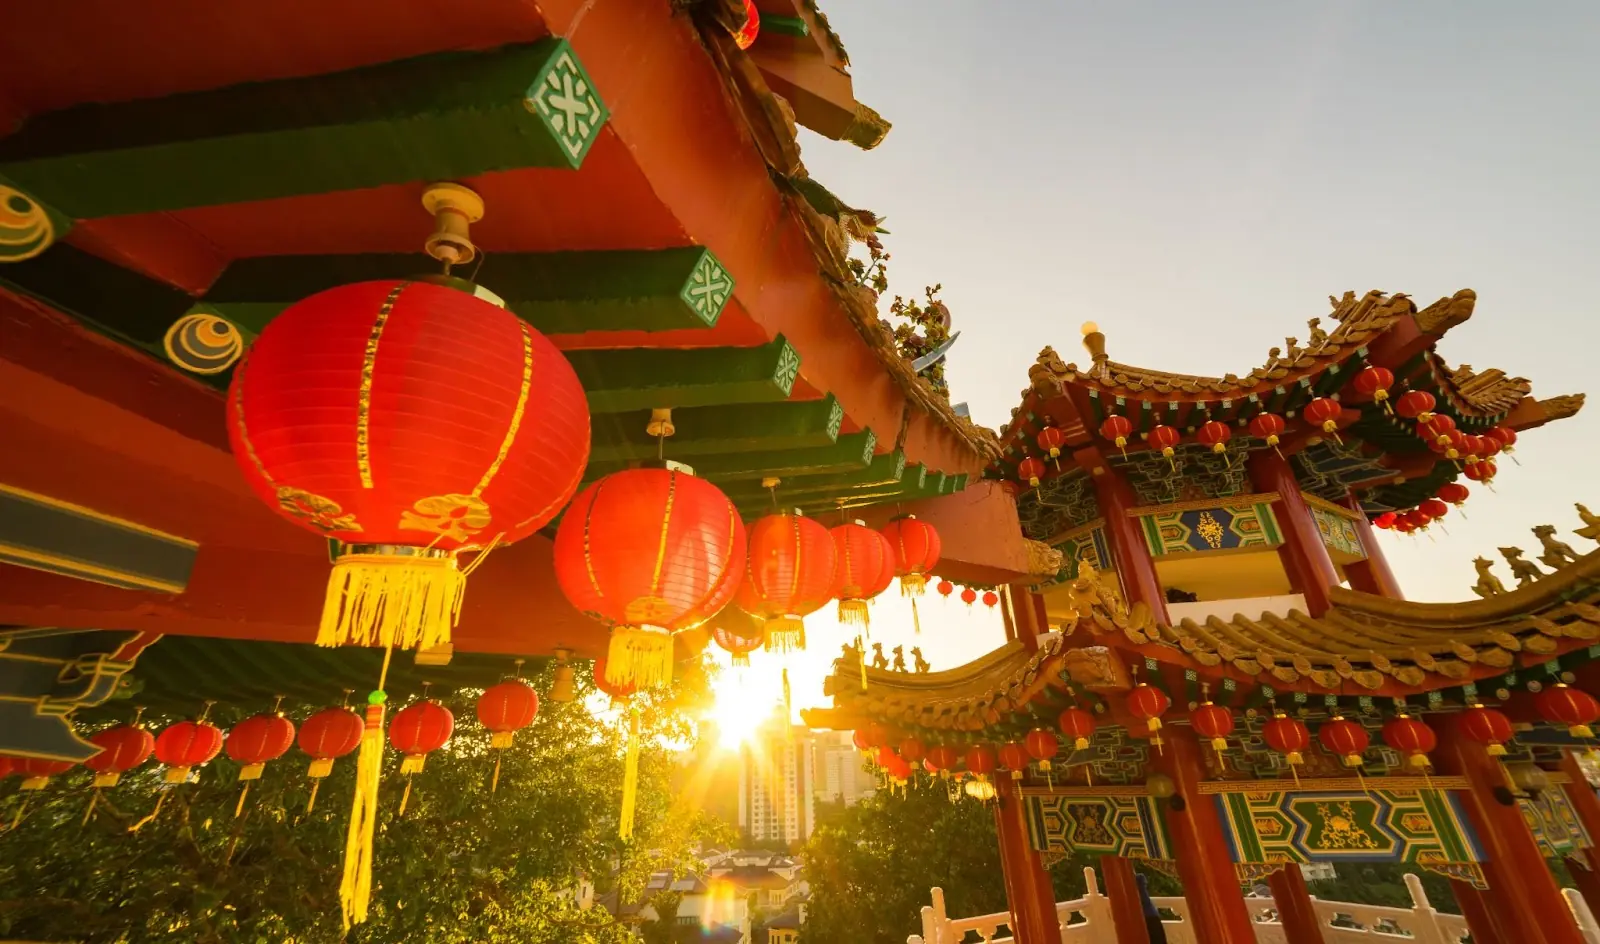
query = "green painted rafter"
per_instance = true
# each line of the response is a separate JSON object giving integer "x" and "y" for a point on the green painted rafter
{"x": 851, "y": 451}
{"x": 707, "y": 430}
{"x": 887, "y": 469}
{"x": 626, "y": 379}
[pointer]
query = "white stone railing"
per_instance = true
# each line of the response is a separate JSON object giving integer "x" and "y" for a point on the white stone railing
{"x": 1088, "y": 919}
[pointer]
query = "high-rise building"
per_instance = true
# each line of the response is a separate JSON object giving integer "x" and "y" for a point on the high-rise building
{"x": 777, "y": 783}
{"x": 842, "y": 772}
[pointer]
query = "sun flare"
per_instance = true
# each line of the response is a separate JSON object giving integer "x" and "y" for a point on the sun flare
{"x": 744, "y": 697}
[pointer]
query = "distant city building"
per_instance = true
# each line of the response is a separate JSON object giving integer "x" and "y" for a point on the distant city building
{"x": 842, "y": 772}
{"x": 777, "y": 783}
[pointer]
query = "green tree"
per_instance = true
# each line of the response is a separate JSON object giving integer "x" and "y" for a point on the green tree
{"x": 462, "y": 865}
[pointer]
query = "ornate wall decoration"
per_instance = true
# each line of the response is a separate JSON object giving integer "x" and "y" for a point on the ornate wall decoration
{"x": 1338, "y": 532}
{"x": 1192, "y": 528}
{"x": 1194, "y": 472}
{"x": 47, "y": 673}
{"x": 1086, "y": 545}
{"x": 1328, "y": 469}
{"x": 1057, "y": 506}
{"x": 1127, "y": 826}
{"x": 1554, "y": 823}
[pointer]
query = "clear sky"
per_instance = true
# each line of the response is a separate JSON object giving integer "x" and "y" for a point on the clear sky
{"x": 1198, "y": 178}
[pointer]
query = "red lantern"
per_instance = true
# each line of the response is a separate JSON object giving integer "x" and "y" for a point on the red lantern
{"x": 1214, "y": 722}
{"x": 788, "y": 576}
{"x": 1164, "y": 438}
{"x": 419, "y": 729}
{"x": 1481, "y": 471}
{"x": 1051, "y": 440}
{"x": 1434, "y": 508}
{"x": 884, "y": 755}
{"x": 8, "y": 766}
{"x": 1488, "y": 727}
{"x": 409, "y": 421}
{"x": 1404, "y": 526}
{"x": 1438, "y": 428}
{"x": 37, "y": 771}
{"x": 1375, "y": 382}
{"x": 1572, "y": 707}
{"x": 649, "y": 552}
{"x": 991, "y": 599}
{"x": 257, "y": 740}
{"x": 876, "y": 734}
{"x": 1504, "y": 437}
{"x": 1030, "y": 470}
{"x": 1344, "y": 737}
{"x": 969, "y": 596}
{"x": 1077, "y": 724}
{"x": 1417, "y": 519}
{"x": 1288, "y": 736}
{"x": 1216, "y": 435}
{"x": 864, "y": 569}
{"x": 1117, "y": 429}
{"x": 186, "y": 745}
{"x": 943, "y": 758}
{"x": 736, "y": 645}
{"x": 897, "y": 769}
{"x": 1148, "y": 704}
{"x": 122, "y": 748}
{"x": 859, "y": 739}
{"x": 745, "y": 36}
{"x": 506, "y": 708}
{"x": 1324, "y": 412}
{"x": 326, "y": 736}
{"x": 912, "y": 750}
{"x": 1417, "y": 405}
{"x": 1268, "y": 426}
{"x": 1413, "y": 739}
{"x": 1042, "y": 747}
{"x": 1385, "y": 521}
{"x": 980, "y": 760}
{"x": 945, "y": 588}
{"x": 915, "y": 549}
{"x": 1014, "y": 757}
{"x": 1454, "y": 492}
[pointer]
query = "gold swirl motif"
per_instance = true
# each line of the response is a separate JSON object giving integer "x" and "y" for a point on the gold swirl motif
{"x": 319, "y": 512}
{"x": 364, "y": 398}
{"x": 203, "y": 343}
{"x": 25, "y": 227}
{"x": 1340, "y": 830}
{"x": 1210, "y": 530}
{"x": 453, "y": 517}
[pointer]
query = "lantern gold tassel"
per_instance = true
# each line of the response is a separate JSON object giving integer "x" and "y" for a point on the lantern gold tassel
{"x": 861, "y": 653}
{"x": 786, "y": 634}
{"x": 630, "y": 776}
{"x": 355, "y": 888}
{"x": 94, "y": 798}
{"x": 916, "y": 618}
{"x": 913, "y": 584}
{"x": 311, "y": 801}
{"x": 383, "y": 597}
{"x": 639, "y": 657}
{"x": 854, "y": 613}
{"x": 160, "y": 799}
{"x": 244, "y": 793}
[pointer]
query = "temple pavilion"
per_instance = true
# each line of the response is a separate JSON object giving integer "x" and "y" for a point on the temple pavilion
{"x": 1225, "y": 679}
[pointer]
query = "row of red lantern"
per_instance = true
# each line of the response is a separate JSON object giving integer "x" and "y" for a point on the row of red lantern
{"x": 1426, "y": 512}
{"x": 969, "y": 596}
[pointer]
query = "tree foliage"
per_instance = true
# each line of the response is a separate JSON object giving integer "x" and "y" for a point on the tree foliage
{"x": 462, "y": 865}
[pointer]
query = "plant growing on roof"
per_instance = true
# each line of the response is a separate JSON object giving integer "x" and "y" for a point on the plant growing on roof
{"x": 920, "y": 328}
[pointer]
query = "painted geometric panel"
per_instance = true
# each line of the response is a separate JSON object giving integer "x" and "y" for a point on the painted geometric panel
{"x": 1554, "y": 823}
{"x": 1425, "y": 827}
{"x": 1114, "y": 825}
{"x": 1089, "y": 545}
{"x": 1338, "y": 532}
{"x": 1224, "y": 528}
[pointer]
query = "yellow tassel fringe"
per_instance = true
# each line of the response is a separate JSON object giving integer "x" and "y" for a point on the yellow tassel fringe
{"x": 913, "y": 585}
{"x": 854, "y": 613}
{"x": 630, "y": 776}
{"x": 786, "y": 634}
{"x": 639, "y": 657}
{"x": 410, "y": 602}
{"x": 355, "y": 889}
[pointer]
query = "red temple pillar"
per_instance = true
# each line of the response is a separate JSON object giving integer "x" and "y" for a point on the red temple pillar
{"x": 1523, "y": 898}
{"x": 1129, "y": 552}
{"x": 1373, "y": 574}
{"x": 1210, "y": 882}
{"x": 1029, "y": 895}
{"x": 1480, "y": 920}
{"x": 1587, "y": 805}
{"x": 1304, "y": 555}
{"x": 1127, "y": 910}
{"x": 1293, "y": 901}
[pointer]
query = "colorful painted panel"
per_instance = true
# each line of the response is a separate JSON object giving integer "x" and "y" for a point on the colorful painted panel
{"x": 1554, "y": 823}
{"x": 1425, "y": 827}
{"x": 1185, "y": 530}
{"x": 1338, "y": 532}
{"x": 1120, "y": 825}
{"x": 1088, "y": 545}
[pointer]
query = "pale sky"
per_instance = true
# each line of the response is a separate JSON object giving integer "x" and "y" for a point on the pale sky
{"x": 1199, "y": 177}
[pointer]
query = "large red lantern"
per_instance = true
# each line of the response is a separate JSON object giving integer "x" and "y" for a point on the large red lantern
{"x": 943, "y": 758}
{"x": 1488, "y": 727}
{"x": 1375, "y": 382}
{"x": 410, "y": 422}
{"x": 913, "y": 750}
{"x": 1339, "y": 735}
{"x": 122, "y": 748}
{"x": 1164, "y": 438}
{"x": 980, "y": 760}
{"x": 1411, "y": 738}
{"x": 1572, "y": 707}
{"x": 859, "y": 739}
{"x": 649, "y": 552}
{"x": 325, "y": 737}
{"x": 257, "y": 740}
{"x": 1288, "y": 736}
{"x": 1268, "y": 426}
{"x": 897, "y": 769}
{"x": 864, "y": 568}
{"x": 1051, "y": 439}
{"x": 1042, "y": 747}
{"x": 1030, "y": 470}
{"x": 1014, "y": 757}
{"x": 1077, "y": 724}
{"x": 1117, "y": 429}
{"x": 37, "y": 771}
{"x": 1216, "y": 435}
{"x": 506, "y": 708}
{"x": 915, "y": 549}
{"x": 1416, "y": 404}
{"x": 1324, "y": 412}
{"x": 788, "y": 576}
{"x": 1213, "y": 721}
{"x": 185, "y": 746}
{"x": 419, "y": 729}
{"x": 1148, "y": 704}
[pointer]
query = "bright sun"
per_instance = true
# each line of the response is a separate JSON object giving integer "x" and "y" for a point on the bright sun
{"x": 744, "y": 698}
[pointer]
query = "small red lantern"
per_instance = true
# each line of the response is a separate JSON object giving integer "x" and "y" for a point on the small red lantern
{"x": 859, "y": 739}
{"x": 1268, "y": 426}
{"x": 980, "y": 760}
{"x": 1412, "y": 738}
{"x": 884, "y": 755}
{"x": 1339, "y": 735}
{"x": 8, "y": 766}
{"x": 1324, "y": 412}
{"x": 1214, "y": 722}
{"x": 915, "y": 547}
{"x": 122, "y": 748}
{"x": 1385, "y": 521}
{"x": 943, "y": 758}
{"x": 1418, "y": 519}
{"x": 506, "y": 708}
{"x": 1504, "y": 438}
{"x": 913, "y": 749}
{"x": 897, "y": 769}
{"x": 1438, "y": 428}
{"x": 1417, "y": 405}
{"x": 649, "y": 552}
{"x": 326, "y": 736}
{"x": 737, "y": 646}
{"x": 1572, "y": 707}
{"x": 1454, "y": 492}
{"x": 876, "y": 734}
{"x": 1288, "y": 736}
{"x": 746, "y": 35}
{"x": 1375, "y": 382}
{"x": 1077, "y": 724}
{"x": 1404, "y": 526}
{"x": 1014, "y": 757}
{"x": 257, "y": 740}
{"x": 969, "y": 596}
{"x": 1216, "y": 435}
{"x": 1051, "y": 440}
{"x": 1030, "y": 470}
{"x": 354, "y": 416}
{"x": 1481, "y": 471}
{"x": 1433, "y": 508}
{"x": 186, "y": 745}
{"x": 1117, "y": 429}
{"x": 1148, "y": 704}
{"x": 1488, "y": 727}
{"x": 1164, "y": 438}
{"x": 945, "y": 588}
{"x": 991, "y": 599}
{"x": 37, "y": 771}
{"x": 1042, "y": 746}
{"x": 864, "y": 569}
{"x": 419, "y": 729}
{"x": 788, "y": 576}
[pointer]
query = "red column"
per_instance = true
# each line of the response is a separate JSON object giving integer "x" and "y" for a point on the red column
{"x": 1129, "y": 551}
{"x": 1210, "y": 883}
{"x": 1029, "y": 895}
{"x": 1304, "y": 555}
{"x": 1293, "y": 900}
{"x": 1373, "y": 574}
{"x": 1127, "y": 911}
{"x": 1587, "y": 806}
{"x": 1480, "y": 921}
{"x": 1523, "y": 897}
